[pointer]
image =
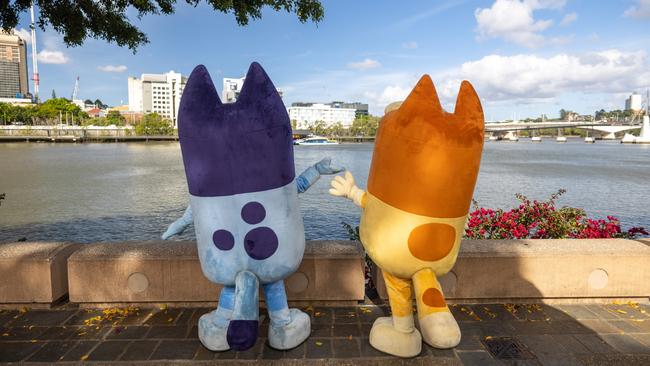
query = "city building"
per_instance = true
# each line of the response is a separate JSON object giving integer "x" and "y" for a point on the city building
{"x": 361, "y": 108}
{"x": 231, "y": 89}
{"x": 307, "y": 114}
{"x": 157, "y": 93}
{"x": 634, "y": 102}
{"x": 13, "y": 67}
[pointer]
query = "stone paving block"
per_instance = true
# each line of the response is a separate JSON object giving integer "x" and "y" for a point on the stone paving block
{"x": 34, "y": 272}
{"x": 570, "y": 344}
{"x": 477, "y": 358}
{"x": 599, "y": 326}
{"x": 321, "y": 330}
{"x": 185, "y": 317}
{"x": 269, "y": 353}
{"x": 128, "y": 332}
{"x": 176, "y": 350}
{"x": 17, "y": 351}
{"x": 295, "y": 353}
{"x": 541, "y": 344}
{"x": 139, "y": 350}
{"x": 7, "y": 316}
{"x": 595, "y": 344}
{"x": 319, "y": 348}
{"x": 625, "y": 343}
{"x": 168, "y": 332}
{"x": 107, "y": 351}
{"x": 163, "y": 316}
{"x": 346, "y": 330}
{"x": 20, "y": 333}
{"x": 204, "y": 354}
{"x": 80, "y": 351}
{"x": 57, "y": 333}
{"x": 52, "y": 351}
{"x": 577, "y": 311}
{"x": 43, "y": 317}
{"x": 624, "y": 326}
{"x": 89, "y": 332}
{"x": 346, "y": 348}
{"x": 169, "y": 271}
{"x": 643, "y": 339}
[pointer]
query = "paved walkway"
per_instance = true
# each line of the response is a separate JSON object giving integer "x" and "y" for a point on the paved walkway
{"x": 517, "y": 334}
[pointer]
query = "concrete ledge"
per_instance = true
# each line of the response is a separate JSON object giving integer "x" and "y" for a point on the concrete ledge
{"x": 34, "y": 272}
{"x": 169, "y": 271}
{"x": 548, "y": 269}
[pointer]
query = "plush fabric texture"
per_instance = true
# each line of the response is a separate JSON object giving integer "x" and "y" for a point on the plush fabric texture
{"x": 424, "y": 167}
{"x": 239, "y": 147}
{"x": 244, "y": 204}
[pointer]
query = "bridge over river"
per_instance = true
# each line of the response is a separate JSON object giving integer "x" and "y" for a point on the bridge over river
{"x": 604, "y": 131}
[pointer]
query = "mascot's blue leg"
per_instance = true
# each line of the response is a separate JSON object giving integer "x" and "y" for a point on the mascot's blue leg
{"x": 244, "y": 326}
{"x": 213, "y": 325}
{"x": 289, "y": 327}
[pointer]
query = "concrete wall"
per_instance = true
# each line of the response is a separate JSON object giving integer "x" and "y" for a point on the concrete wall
{"x": 169, "y": 271}
{"x": 546, "y": 269}
{"x": 331, "y": 272}
{"x": 34, "y": 272}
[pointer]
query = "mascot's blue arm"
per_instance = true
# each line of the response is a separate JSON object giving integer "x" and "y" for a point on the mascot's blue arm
{"x": 303, "y": 182}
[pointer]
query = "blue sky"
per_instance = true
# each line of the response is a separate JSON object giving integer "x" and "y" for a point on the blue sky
{"x": 524, "y": 57}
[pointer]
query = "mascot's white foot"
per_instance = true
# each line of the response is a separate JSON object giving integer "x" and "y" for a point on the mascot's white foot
{"x": 212, "y": 335}
{"x": 384, "y": 337}
{"x": 292, "y": 334}
{"x": 440, "y": 330}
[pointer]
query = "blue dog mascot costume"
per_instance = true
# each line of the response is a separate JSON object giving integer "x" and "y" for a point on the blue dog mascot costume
{"x": 244, "y": 203}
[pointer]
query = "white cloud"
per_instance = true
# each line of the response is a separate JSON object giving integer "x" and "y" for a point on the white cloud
{"x": 390, "y": 94}
{"x": 24, "y": 34}
{"x": 52, "y": 57}
{"x": 410, "y": 45}
{"x": 365, "y": 64}
{"x": 513, "y": 20}
{"x": 640, "y": 10}
{"x": 530, "y": 77}
{"x": 112, "y": 68}
{"x": 568, "y": 19}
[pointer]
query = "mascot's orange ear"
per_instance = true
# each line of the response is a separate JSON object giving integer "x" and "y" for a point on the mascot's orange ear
{"x": 426, "y": 160}
{"x": 423, "y": 99}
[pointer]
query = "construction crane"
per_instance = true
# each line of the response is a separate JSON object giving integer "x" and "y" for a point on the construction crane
{"x": 75, "y": 91}
{"x": 32, "y": 26}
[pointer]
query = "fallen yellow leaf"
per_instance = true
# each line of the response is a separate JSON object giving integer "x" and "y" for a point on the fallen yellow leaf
{"x": 319, "y": 343}
{"x": 84, "y": 357}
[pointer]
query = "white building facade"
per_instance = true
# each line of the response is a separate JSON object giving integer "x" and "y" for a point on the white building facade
{"x": 306, "y": 116}
{"x": 157, "y": 93}
{"x": 232, "y": 87}
{"x": 634, "y": 102}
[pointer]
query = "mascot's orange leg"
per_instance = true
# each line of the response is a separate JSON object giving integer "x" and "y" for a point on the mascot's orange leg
{"x": 437, "y": 324}
{"x": 397, "y": 334}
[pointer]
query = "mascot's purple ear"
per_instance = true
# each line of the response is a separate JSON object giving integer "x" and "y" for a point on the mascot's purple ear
{"x": 200, "y": 102}
{"x": 259, "y": 93}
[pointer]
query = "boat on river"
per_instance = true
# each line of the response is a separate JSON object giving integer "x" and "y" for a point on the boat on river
{"x": 315, "y": 140}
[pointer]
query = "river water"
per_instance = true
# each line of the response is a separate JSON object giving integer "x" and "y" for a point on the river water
{"x": 132, "y": 191}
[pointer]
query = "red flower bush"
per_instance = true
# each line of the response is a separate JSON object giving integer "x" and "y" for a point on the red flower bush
{"x": 542, "y": 220}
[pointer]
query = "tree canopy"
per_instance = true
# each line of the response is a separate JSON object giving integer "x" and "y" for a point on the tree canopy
{"x": 78, "y": 20}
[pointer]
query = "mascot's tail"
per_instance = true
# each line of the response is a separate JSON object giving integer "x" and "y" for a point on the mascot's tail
{"x": 243, "y": 328}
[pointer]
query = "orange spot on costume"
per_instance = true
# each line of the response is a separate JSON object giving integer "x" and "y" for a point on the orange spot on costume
{"x": 421, "y": 181}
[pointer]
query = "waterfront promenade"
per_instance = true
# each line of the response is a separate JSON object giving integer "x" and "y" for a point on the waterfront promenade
{"x": 525, "y": 302}
{"x": 523, "y": 334}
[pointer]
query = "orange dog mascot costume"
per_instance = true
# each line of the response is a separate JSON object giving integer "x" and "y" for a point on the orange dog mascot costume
{"x": 421, "y": 181}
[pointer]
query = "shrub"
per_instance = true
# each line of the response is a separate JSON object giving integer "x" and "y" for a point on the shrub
{"x": 542, "y": 220}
